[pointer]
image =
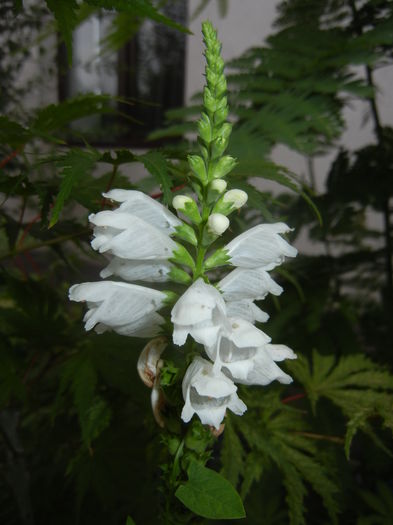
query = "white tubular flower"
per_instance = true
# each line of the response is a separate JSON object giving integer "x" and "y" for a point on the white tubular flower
{"x": 125, "y": 308}
{"x": 247, "y": 310}
{"x": 200, "y": 312}
{"x": 144, "y": 207}
{"x": 129, "y": 237}
{"x": 152, "y": 271}
{"x": 217, "y": 223}
{"x": 260, "y": 247}
{"x": 208, "y": 394}
{"x": 248, "y": 363}
{"x": 245, "y": 283}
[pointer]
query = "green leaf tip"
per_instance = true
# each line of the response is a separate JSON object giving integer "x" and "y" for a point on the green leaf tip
{"x": 208, "y": 494}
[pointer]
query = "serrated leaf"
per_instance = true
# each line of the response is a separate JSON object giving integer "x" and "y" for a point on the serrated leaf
{"x": 156, "y": 165}
{"x": 208, "y": 494}
{"x": 75, "y": 165}
{"x": 58, "y": 116}
{"x": 65, "y": 13}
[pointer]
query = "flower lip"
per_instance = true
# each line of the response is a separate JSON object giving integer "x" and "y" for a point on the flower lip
{"x": 208, "y": 394}
{"x": 261, "y": 247}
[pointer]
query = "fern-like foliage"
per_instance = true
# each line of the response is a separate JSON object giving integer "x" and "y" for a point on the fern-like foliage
{"x": 359, "y": 387}
{"x": 274, "y": 436}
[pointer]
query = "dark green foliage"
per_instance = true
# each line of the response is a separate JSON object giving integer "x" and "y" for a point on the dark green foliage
{"x": 78, "y": 443}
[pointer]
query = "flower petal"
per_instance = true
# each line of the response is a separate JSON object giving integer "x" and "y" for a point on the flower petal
{"x": 118, "y": 305}
{"x": 247, "y": 310}
{"x": 144, "y": 207}
{"x": 260, "y": 247}
{"x": 130, "y": 270}
{"x": 245, "y": 283}
{"x": 280, "y": 352}
{"x": 139, "y": 241}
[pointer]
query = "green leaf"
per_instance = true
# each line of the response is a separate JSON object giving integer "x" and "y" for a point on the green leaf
{"x": 58, "y": 116}
{"x": 156, "y": 165}
{"x": 12, "y": 133}
{"x": 130, "y": 521}
{"x": 208, "y": 494}
{"x": 75, "y": 164}
{"x": 141, "y": 8}
{"x": 65, "y": 13}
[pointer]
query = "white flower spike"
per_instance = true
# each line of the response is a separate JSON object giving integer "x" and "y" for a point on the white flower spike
{"x": 125, "y": 308}
{"x": 208, "y": 394}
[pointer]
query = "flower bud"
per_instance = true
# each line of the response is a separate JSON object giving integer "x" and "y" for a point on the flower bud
{"x": 222, "y": 167}
{"x": 187, "y": 206}
{"x": 221, "y": 115}
{"x": 219, "y": 145}
{"x": 217, "y": 223}
{"x": 205, "y": 128}
{"x": 209, "y": 101}
{"x": 198, "y": 167}
{"x": 218, "y": 185}
{"x": 230, "y": 201}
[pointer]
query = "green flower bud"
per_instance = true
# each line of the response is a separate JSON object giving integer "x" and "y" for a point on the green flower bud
{"x": 222, "y": 167}
{"x": 221, "y": 115}
{"x": 205, "y": 128}
{"x": 221, "y": 86}
{"x": 198, "y": 167}
{"x": 187, "y": 206}
{"x": 209, "y": 101}
{"x": 224, "y": 131}
{"x": 232, "y": 200}
{"x": 219, "y": 145}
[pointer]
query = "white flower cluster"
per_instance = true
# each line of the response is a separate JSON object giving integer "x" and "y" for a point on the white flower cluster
{"x": 221, "y": 319}
{"x": 137, "y": 237}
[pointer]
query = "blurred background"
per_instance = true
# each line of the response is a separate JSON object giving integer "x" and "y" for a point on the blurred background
{"x": 99, "y": 94}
